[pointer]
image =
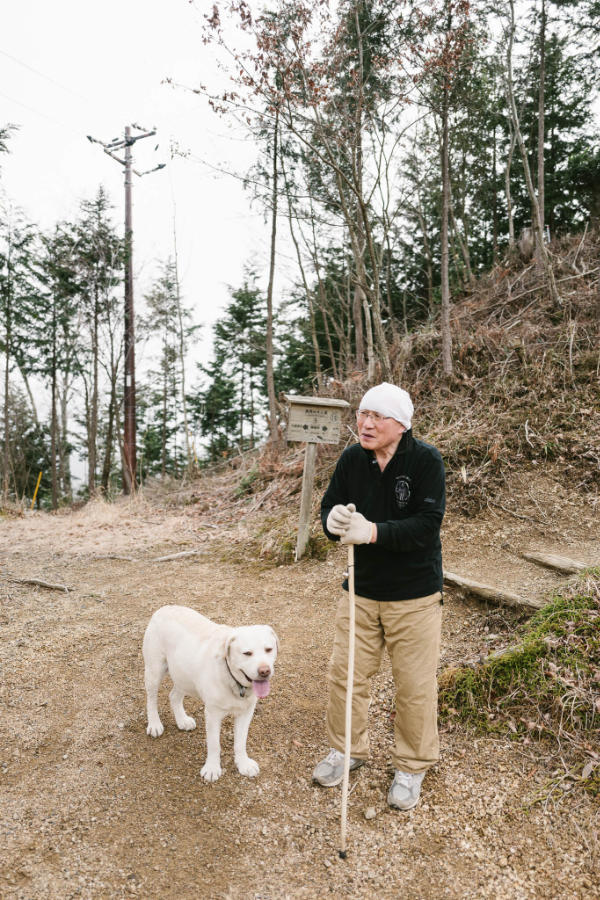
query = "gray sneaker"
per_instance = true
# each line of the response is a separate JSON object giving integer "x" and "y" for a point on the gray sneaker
{"x": 405, "y": 789}
{"x": 330, "y": 771}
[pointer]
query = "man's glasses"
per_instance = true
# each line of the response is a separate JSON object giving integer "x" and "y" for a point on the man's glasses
{"x": 363, "y": 414}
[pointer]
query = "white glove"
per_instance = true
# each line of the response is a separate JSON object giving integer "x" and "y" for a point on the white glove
{"x": 339, "y": 518}
{"x": 359, "y": 531}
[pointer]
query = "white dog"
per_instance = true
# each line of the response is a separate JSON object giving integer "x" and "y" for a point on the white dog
{"x": 227, "y": 668}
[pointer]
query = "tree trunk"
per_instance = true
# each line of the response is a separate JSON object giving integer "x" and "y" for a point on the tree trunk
{"x": 163, "y": 436}
{"x": 509, "y": 208}
{"x": 7, "y": 349}
{"x": 370, "y": 352}
{"x": 537, "y": 223}
{"x": 322, "y": 302}
{"x": 251, "y": 412}
{"x": 53, "y": 441}
{"x": 273, "y": 429}
{"x": 375, "y": 309}
{"x": 113, "y": 408}
{"x": 107, "y": 464}
{"x": 428, "y": 254}
{"x": 462, "y": 243}
{"x": 463, "y": 239}
{"x": 93, "y": 419}
{"x": 359, "y": 335}
{"x": 494, "y": 203}
{"x": 445, "y": 274}
{"x": 375, "y": 321}
{"x": 190, "y": 461}
{"x": 7, "y": 356}
{"x": 242, "y": 406}
{"x": 307, "y": 290}
{"x": 127, "y": 486}
{"x": 63, "y": 444}
{"x": 541, "y": 132}
{"x": 30, "y": 395}
{"x": 53, "y": 416}
{"x": 334, "y": 366}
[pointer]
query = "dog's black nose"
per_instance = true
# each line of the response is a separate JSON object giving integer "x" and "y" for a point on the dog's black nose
{"x": 264, "y": 671}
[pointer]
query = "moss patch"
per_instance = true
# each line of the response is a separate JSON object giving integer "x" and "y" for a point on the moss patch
{"x": 546, "y": 685}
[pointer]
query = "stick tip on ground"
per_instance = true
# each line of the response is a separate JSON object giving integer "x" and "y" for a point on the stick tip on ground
{"x": 342, "y": 854}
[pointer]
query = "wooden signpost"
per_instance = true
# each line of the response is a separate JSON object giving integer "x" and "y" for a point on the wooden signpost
{"x": 315, "y": 420}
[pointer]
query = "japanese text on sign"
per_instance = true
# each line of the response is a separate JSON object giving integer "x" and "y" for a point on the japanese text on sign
{"x": 316, "y": 424}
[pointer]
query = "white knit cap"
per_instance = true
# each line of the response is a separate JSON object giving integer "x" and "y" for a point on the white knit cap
{"x": 389, "y": 400}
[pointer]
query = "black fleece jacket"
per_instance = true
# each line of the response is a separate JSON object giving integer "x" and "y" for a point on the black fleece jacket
{"x": 407, "y": 502}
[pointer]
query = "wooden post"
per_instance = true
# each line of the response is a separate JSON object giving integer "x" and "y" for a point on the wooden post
{"x": 308, "y": 479}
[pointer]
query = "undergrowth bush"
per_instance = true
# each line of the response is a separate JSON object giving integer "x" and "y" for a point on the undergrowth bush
{"x": 547, "y": 685}
{"x": 279, "y": 549}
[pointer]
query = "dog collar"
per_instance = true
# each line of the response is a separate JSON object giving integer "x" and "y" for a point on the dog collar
{"x": 242, "y": 688}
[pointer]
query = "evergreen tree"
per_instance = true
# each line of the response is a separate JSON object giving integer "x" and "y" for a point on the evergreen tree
{"x": 55, "y": 338}
{"x": 28, "y": 450}
{"x": 214, "y": 409}
{"x": 99, "y": 263}
{"x": 5, "y": 133}
{"x": 163, "y": 320}
{"x": 570, "y": 138}
{"x": 16, "y": 291}
{"x": 236, "y": 376}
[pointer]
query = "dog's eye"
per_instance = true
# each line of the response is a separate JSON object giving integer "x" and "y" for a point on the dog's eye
{"x": 247, "y": 652}
{"x": 268, "y": 649}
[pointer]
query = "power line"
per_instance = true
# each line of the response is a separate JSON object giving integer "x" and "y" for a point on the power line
{"x": 44, "y": 76}
{"x": 39, "y": 113}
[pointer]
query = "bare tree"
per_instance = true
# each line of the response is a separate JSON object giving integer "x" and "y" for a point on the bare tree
{"x": 535, "y": 206}
{"x": 272, "y": 400}
{"x": 541, "y": 129}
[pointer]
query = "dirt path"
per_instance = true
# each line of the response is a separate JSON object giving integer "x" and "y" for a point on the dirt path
{"x": 93, "y": 808}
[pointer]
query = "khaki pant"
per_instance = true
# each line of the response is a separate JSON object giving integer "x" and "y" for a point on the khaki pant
{"x": 410, "y": 630}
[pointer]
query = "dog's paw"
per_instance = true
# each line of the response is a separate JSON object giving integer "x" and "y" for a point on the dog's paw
{"x": 155, "y": 729}
{"x": 248, "y": 767}
{"x": 211, "y": 771}
{"x": 186, "y": 723}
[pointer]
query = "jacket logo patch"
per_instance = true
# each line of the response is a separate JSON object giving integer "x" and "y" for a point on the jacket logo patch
{"x": 402, "y": 491}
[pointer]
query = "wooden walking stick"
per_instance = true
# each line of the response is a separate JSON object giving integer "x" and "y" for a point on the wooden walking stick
{"x": 349, "y": 692}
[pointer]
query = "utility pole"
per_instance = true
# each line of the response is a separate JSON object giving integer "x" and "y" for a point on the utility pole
{"x": 129, "y": 424}
{"x": 129, "y": 430}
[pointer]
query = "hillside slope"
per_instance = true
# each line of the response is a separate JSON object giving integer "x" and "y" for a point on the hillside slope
{"x": 92, "y": 807}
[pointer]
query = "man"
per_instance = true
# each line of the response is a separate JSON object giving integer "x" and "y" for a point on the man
{"x": 387, "y": 496}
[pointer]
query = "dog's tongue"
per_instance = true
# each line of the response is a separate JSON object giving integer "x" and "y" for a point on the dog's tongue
{"x": 261, "y": 688}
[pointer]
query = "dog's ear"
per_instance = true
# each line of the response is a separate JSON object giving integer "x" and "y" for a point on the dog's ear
{"x": 276, "y": 638}
{"x": 227, "y": 645}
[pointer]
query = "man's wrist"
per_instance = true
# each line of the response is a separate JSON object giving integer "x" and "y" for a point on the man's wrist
{"x": 373, "y": 533}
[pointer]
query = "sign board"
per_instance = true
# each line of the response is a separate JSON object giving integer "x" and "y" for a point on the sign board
{"x": 316, "y": 420}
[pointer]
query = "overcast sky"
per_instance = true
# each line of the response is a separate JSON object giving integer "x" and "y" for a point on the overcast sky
{"x": 70, "y": 68}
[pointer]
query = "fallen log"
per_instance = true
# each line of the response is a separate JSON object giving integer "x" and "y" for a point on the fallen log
{"x": 37, "y": 581}
{"x": 487, "y": 592}
{"x": 560, "y": 563}
{"x": 178, "y": 555}
{"x": 115, "y": 556}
